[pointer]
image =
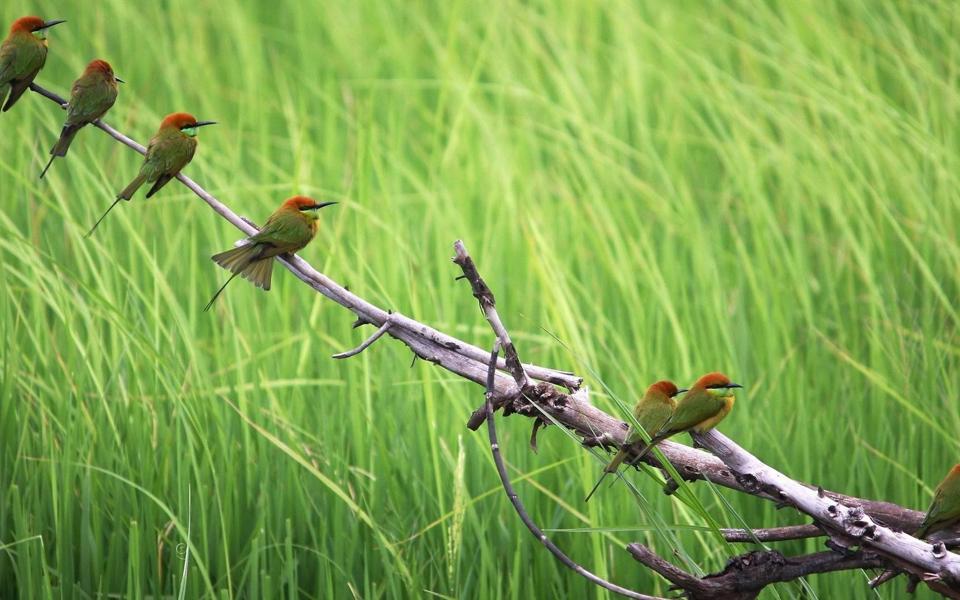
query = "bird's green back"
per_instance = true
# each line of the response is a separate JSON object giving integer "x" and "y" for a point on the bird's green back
{"x": 696, "y": 406}
{"x": 286, "y": 231}
{"x": 20, "y": 56}
{"x": 91, "y": 96}
{"x": 168, "y": 152}
{"x": 652, "y": 413}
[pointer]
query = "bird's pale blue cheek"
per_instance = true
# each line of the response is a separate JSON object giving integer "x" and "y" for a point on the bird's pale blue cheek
{"x": 190, "y": 131}
{"x": 40, "y": 35}
{"x": 720, "y": 392}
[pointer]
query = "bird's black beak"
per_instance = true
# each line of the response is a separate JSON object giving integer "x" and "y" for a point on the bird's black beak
{"x": 118, "y": 80}
{"x": 734, "y": 385}
{"x": 203, "y": 123}
{"x": 682, "y": 390}
{"x": 50, "y": 23}
{"x": 317, "y": 206}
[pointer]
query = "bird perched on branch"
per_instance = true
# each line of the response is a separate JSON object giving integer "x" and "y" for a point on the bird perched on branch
{"x": 944, "y": 511}
{"x": 707, "y": 402}
{"x": 22, "y": 55}
{"x": 287, "y": 230}
{"x": 91, "y": 96}
{"x": 652, "y": 412}
{"x": 168, "y": 152}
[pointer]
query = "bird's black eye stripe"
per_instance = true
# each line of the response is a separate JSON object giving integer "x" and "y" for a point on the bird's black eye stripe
{"x": 715, "y": 386}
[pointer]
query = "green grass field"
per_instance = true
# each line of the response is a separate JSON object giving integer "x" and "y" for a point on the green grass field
{"x": 764, "y": 188}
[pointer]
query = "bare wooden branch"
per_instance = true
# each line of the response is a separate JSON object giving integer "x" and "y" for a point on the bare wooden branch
{"x": 489, "y": 307}
{"x": 746, "y": 575}
{"x": 932, "y": 562}
{"x": 518, "y": 505}
{"x": 456, "y": 355}
{"x": 773, "y": 534}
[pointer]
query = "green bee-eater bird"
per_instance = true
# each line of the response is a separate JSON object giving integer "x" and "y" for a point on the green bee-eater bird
{"x": 91, "y": 96}
{"x": 169, "y": 151}
{"x": 287, "y": 230}
{"x": 651, "y": 412}
{"x": 709, "y": 400}
{"x": 22, "y": 55}
{"x": 944, "y": 511}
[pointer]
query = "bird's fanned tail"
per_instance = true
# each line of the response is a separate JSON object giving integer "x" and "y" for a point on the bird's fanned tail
{"x": 244, "y": 261}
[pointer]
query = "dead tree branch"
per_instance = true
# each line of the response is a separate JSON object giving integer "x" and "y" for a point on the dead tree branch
{"x": 773, "y": 534}
{"x": 746, "y": 575}
{"x": 518, "y": 505}
{"x": 535, "y": 392}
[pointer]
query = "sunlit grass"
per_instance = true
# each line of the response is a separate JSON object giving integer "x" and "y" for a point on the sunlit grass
{"x": 668, "y": 188}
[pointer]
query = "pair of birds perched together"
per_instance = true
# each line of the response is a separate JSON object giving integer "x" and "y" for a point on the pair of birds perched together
{"x": 24, "y": 53}
{"x": 708, "y": 401}
{"x": 711, "y": 399}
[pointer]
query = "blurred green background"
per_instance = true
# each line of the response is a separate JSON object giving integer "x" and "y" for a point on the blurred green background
{"x": 764, "y": 188}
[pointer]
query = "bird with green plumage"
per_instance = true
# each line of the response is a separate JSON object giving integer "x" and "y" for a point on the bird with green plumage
{"x": 944, "y": 511}
{"x": 22, "y": 54}
{"x": 169, "y": 151}
{"x": 289, "y": 229}
{"x": 709, "y": 400}
{"x": 652, "y": 411}
{"x": 91, "y": 96}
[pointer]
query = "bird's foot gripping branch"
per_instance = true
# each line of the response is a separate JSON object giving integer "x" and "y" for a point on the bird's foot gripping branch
{"x": 860, "y": 533}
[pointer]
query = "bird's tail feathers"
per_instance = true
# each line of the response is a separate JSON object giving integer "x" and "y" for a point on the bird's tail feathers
{"x": 653, "y": 442}
{"x": 243, "y": 261}
{"x": 49, "y": 162}
{"x": 260, "y": 273}
{"x": 619, "y": 458}
{"x": 131, "y": 189}
{"x": 596, "y": 485}
{"x": 107, "y": 212}
{"x": 235, "y": 259}
{"x": 66, "y": 138}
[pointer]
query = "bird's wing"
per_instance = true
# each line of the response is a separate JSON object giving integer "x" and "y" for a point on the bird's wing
{"x": 933, "y": 516}
{"x": 283, "y": 234}
{"x": 18, "y": 87}
{"x": 166, "y": 156}
{"x": 692, "y": 410}
{"x": 8, "y": 61}
{"x": 89, "y": 101}
{"x": 652, "y": 416}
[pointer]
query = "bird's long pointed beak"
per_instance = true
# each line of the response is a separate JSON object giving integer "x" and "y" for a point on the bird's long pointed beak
{"x": 50, "y": 23}
{"x": 204, "y": 123}
{"x": 734, "y": 385}
{"x": 317, "y": 206}
{"x": 118, "y": 80}
{"x": 682, "y": 390}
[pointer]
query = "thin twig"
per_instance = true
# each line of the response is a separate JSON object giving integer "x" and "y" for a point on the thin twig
{"x": 366, "y": 344}
{"x": 483, "y": 294}
{"x": 518, "y": 505}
